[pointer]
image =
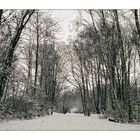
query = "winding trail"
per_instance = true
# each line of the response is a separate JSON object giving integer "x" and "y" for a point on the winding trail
{"x": 66, "y": 122}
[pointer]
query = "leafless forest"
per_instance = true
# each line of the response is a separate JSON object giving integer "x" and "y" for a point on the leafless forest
{"x": 95, "y": 72}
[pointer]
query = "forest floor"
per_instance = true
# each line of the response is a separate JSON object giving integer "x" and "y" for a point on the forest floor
{"x": 66, "y": 122}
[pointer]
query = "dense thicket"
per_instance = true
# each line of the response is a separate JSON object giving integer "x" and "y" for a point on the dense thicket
{"x": 105, "y": 63}
{"x": 30, "y": 65}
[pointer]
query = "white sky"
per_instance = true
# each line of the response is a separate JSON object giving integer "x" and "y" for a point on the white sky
{"x": 65, "y": 17}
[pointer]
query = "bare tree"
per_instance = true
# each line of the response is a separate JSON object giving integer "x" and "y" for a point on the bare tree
{"x": 7, "y": 60}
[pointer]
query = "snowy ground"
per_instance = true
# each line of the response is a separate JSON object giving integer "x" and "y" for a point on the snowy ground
{"x": 66, "y": 122}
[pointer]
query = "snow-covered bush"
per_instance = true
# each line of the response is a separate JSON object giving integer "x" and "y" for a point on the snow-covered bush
{"x": 21, "y": 107}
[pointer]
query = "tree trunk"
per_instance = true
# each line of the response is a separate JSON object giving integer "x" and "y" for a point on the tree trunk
{"x": 1, "y": 12}
{"x": 37, "y": 50}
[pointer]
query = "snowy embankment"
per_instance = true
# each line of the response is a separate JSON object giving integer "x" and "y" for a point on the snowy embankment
{"x": 66, "y": 122}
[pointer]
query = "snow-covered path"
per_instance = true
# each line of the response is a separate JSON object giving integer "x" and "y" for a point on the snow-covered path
{"x": 66, "y": 122}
